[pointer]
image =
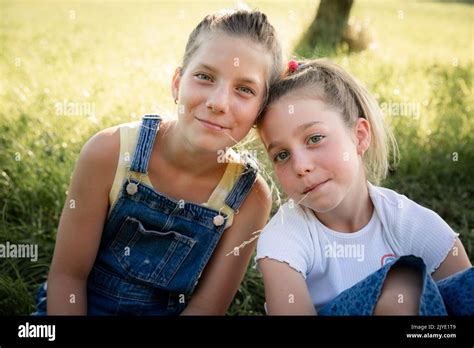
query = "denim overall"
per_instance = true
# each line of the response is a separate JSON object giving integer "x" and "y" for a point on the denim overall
{"x": 154, "y": 248}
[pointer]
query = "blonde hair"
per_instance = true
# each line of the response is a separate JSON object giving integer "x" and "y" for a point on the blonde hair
{"x": 328, "y": 81}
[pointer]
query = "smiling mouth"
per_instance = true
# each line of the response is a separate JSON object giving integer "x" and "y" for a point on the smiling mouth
{"x": 210, "y": 125}
{"x": 314, "y": 187}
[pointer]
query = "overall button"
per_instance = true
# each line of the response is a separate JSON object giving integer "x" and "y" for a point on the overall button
{"x": 132, "y": 188}
{"x": 218, "y": 220}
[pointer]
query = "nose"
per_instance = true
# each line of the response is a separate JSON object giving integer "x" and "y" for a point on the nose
{"x": 302, "y": 164}
{"x": 218, "y": 100}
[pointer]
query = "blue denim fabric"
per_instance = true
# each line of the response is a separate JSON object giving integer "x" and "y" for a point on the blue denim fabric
{"x": 153, "y": 248}
{"x": 453, "y": 295}
{"x": 458, "y": 292}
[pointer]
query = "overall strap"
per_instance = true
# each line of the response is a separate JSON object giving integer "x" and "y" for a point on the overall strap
{"x": 146, "y": 138}
{"x": 243, "y": 185}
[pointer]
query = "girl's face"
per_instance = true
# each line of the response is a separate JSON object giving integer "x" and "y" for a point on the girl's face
{"x": 221, "y": 90}
{"x": 315, "y": 155}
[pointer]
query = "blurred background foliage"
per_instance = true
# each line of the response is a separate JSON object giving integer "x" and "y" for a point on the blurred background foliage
{"x": 117, "y": 58}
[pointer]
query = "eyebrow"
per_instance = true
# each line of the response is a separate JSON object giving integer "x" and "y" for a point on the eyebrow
{"x": 300, "y": 128}
{"x": 207, "y": 67}
{"x": 242, "y": 79}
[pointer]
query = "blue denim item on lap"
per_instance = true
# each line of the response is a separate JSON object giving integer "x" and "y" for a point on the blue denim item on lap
{"x": 458, "y": 292}
{"x": 453, "y": 295}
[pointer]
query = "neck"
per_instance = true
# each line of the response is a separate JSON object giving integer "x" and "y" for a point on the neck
{"x": 180, "y": 154}
{"x": 353, "y": 213}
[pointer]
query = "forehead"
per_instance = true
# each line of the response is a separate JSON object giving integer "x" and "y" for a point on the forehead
{"x": 232, "y": 55}
{"x": 290, "y": 112}
{"x": 294, "y": 109}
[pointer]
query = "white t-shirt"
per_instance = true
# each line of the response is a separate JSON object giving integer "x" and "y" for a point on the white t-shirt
{"x": 332, "y": 261}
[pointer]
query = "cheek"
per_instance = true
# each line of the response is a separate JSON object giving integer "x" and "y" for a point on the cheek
{"x": 244, "y": 118}
{"x": 344, "y": 160}
{"x": 245, "y": 111}
{"x": 284, "y": 178}
{"x": 191, "y": 92}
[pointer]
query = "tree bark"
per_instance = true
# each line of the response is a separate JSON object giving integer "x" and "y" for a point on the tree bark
{"x": 328, "y": 27}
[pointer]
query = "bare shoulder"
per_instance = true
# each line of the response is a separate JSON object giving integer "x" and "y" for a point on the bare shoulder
{"x": 102, "y": 145}
{"x": 103, "y": 148}
{"x": 100, "y": 155}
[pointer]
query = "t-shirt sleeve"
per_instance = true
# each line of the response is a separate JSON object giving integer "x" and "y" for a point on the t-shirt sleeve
{"x": 287, "y": 238}
{"x": 424, "y": 233}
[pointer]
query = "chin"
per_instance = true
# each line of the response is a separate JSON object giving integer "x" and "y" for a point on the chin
{"x": 212, "y": 144}
{"x": 320, "y": 206}
{"x": 208, "y": 146}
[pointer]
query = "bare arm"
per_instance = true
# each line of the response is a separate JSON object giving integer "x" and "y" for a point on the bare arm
{"x": 457, "y": 260}
{"x": 81, "y": 224}
{"x": 224, "y": 273}
{"x": 286, "y": 292}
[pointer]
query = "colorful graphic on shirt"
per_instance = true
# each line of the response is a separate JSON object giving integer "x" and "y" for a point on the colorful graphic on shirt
{"x": 387, "y": 258}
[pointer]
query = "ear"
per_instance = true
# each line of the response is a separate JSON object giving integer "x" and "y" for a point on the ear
{"x": 175, "y": 83}
{"x": 363, "y": 136}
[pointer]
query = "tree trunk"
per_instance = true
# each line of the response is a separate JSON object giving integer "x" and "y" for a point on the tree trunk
{"x": 328, "y": 27}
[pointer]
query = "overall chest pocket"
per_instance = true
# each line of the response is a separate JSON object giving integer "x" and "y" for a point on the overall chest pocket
{"x": 152, "y": 256}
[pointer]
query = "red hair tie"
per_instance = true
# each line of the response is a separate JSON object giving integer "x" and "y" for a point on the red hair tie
{"x": 292, "y": 65}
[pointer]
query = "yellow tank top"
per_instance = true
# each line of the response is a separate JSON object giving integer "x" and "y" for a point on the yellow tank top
{"x": 128, "y": 142}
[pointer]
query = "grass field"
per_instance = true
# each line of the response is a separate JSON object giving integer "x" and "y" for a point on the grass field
{"x": 113, "y": 61}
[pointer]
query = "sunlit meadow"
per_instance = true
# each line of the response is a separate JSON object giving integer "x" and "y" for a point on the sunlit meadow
{"x": 69, "y": 69}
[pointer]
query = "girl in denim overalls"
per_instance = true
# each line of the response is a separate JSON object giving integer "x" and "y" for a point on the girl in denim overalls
{"x": 342, "y": 246}
{"x": 175, "y": 209}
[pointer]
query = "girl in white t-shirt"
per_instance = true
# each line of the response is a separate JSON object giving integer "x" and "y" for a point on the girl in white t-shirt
{"x": 340, "y": 245}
